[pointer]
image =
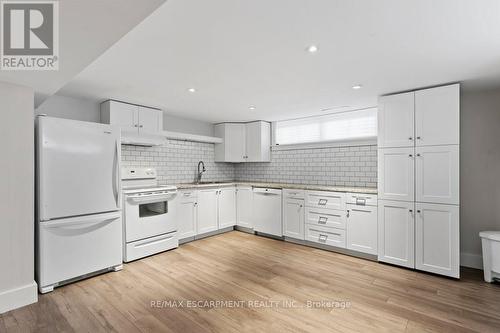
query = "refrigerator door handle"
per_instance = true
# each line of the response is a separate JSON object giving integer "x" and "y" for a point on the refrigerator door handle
{"x": 116, "y": 175}
{"x": 86, "y": 221}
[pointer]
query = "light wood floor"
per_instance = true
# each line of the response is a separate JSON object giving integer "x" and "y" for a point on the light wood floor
{"x": 237, "y": 266}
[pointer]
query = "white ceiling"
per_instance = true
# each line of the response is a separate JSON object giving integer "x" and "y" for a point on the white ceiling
{"x": 238, "y": 53}
{"x": 86, "y": 29}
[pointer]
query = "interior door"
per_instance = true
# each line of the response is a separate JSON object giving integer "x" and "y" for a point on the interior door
{"x": 396, "y": 120}
{"x": 437, "y": 116}
{"x": 396, "y": 167}
{"x": 207, "y": 211}
{"x": 437, "y": 239}
{"x": 150, "y": 120}
{"x": 125, "y": 116}
{"x": 396, "y": 233}
{"x": 437, "y": 174}
{"x": 293, "y": 218}
{"x": 244, "y": 198}
{"x": 78, "y": 165}
{"x": 227, "y": 207}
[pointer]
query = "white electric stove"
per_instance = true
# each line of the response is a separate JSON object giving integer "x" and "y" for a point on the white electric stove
{"x": 148, "y": 214}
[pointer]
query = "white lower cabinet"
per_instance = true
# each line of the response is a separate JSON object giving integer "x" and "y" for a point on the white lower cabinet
{"x": 226, "y": 203}
{"x": 207, "y": 211}
{"x": 437, "y": 239}
{"x": 293, "y": 218}
{"x": 186, "y": 214}
{"x": 396, "y": 233}
{"x": 361, "y": 228}
{"x": 244, "y": 203}
{"x": 324, "y": 235}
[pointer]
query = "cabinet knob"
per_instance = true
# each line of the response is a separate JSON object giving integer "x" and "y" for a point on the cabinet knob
{"x": 411, "y": 155}
{"x": 419, "y": 138}
{"x": 411, "y": 210}
{"x": 136, "y": 125}
{"x": 418, "y": 211}
{"x": 141, "y": 126}
{"x": 418, "y": 154}
{"x": 410, "y": 138}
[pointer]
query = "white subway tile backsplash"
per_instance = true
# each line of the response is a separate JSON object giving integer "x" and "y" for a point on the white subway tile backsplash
{"x": 176, "y": 162}
{"x": 344, "y": 166}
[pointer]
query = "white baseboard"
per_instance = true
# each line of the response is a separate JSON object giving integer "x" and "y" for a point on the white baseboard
{"x": 471, "y": 260}
{"x": 18, "y": 297}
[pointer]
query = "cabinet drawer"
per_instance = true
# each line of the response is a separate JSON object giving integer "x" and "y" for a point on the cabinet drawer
{"x": 326, "y": 217}
{"x": 293, "y": 194}
{"x": 327, "y": 236}
{"x": 321, "y": 199}
{"x": 187, "y": 195}
{"x": 361, "y": 199}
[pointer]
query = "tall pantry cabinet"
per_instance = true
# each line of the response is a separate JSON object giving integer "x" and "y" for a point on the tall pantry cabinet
{"x": 418, "y": 179}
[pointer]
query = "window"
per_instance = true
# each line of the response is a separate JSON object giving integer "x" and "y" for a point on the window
{"x": 342, "y": 126}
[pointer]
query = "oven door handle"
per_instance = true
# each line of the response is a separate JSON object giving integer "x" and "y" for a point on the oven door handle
{"x": 151, "y": 198}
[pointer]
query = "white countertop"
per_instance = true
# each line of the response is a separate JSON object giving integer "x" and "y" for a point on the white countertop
{"x": 367, "y": 190}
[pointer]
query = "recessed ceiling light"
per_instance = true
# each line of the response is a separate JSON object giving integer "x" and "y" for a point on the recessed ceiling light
{"x": 312, "y": 49}
{"x": 251, "y": 107}
{"x": 192, "y": 90}
{"x": 356, "y": 87}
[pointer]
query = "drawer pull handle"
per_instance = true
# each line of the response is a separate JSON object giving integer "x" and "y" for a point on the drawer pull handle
{"x": 187, "y": 194}
{"x": 321, "y": 232}
{"x": 322, "y": 219}
{"x": 322, "y": 202}
{"x": 360, "y": 210}
{"x": 361, "y": 201}
{"x": 322, "y": 238}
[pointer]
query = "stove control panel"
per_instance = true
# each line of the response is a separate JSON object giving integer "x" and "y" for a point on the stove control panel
{"x": 138, "y": 173}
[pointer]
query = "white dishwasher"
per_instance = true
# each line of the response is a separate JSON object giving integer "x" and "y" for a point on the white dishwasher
{"x": 267, "y": 211}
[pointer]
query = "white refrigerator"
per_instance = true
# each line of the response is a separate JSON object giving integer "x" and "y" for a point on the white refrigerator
{"x": 79, "y": 227}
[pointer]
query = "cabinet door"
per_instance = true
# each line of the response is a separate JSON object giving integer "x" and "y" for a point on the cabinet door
{"x": 396, "y": 120}
{"x": 186, "y": 214}
{"x": 362, "y": 228}
{"x": 235, "y": 141}
{"x": 437, "y": 116}
{"x": 437, "y": 174}
{"x": 207, "y": 211}
{"x": 125, "y": 116}
{"x": 396, "y": 233}
{"x": 150, "y": 120}
{"x": 227, "y": 207}
{"x": 258, "y": 142}
{"x": 244, "y": 202}
{"x": 396, "y": 174}
{"x": 293, "y": 218}
{"x": 437, "y": 239}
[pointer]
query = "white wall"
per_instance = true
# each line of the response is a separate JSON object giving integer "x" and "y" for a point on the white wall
{"x": 70, "y": 108}
{"x": 17, "y": 285}
{"x": 480, "y": 170}
{"x": 88, "y": 110}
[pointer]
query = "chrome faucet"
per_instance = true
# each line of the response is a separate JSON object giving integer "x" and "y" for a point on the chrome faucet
{"x": 200, "y": 173}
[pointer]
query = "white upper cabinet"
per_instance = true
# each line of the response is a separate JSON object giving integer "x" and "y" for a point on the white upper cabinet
{"x": 244, "y": 203}
{"x": 396, "y": 233}
{"x": 396, "y": 174}
{"x": 150, "y": 120}
{"x": 125, "y": 116}
{"x": 396, "y": 115}
{"x": 258, "y": 141}
{"x": 132, "y": 118}
{"x": 437, "y": 116}
{"x": 227, "y": 207}
{"x": 243, "y": 142}
{"x": 437, "y": 174}
{"x": 437, "y": 239}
